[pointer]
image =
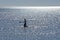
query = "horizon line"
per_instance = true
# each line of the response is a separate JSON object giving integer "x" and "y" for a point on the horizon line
{"x": 28, "y": 7}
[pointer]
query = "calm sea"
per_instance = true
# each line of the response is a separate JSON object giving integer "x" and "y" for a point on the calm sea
{"x": 43, "y": 24}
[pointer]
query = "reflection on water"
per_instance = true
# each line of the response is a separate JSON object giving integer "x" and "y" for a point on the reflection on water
{"x": 43, "y": 24}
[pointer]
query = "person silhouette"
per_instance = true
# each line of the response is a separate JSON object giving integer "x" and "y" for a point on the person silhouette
{"x": 25, "y": 25}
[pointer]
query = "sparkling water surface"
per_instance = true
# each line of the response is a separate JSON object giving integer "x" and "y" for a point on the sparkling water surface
{"x": 43, "y": 24}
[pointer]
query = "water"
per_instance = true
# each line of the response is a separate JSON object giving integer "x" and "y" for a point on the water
{"x": 43, "y": 24}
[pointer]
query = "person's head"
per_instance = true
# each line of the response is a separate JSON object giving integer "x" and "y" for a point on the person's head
{"x": 24, "y": 19}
